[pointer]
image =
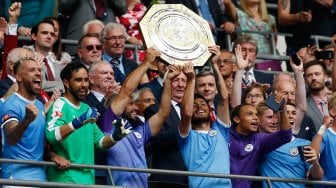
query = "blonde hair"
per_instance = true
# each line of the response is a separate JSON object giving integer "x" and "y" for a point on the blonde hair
{"x": 332, "y": 101}
{"x": 262, "y": 10}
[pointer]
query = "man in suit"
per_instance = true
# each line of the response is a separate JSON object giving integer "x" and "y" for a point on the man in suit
{"x": 114, "y": 37}
{"x": 89, "y": 49}
{"x": 43, "y": 35}
{"x": 249, "y": 50}
{"x": 211, "y": 11}
{"x": 80, "y": 12}
{"x": 164, "y": 151}
{"x": 156, "y": 84}
{"x": 315, "y": 73}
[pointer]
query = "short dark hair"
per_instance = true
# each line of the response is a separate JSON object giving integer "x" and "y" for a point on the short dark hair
{"x": 67, "y": 71}
{"x": 236, "y": 112}
{"x": 244, "y": 39}
{"x": 35, "y": 28}
{"x": 314, "y": 62}
{"x": 204, "y": 73}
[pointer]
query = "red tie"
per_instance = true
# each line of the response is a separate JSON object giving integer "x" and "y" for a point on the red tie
{"x": 50, "y": 75}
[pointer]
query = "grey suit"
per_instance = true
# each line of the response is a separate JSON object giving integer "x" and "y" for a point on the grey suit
{"x": 49, "y": 86}
{"x": 314, "y": 112}
{"x": 82, "y": 11}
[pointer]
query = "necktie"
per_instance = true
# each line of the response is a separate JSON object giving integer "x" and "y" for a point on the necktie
{"x": 100, "y": 9}
{"x": 203, "y": 6}
{"x": 247, "y": 78}
{"x": 118, "y": 75}
{"x": 324, "y": 107}
{"x": 50, "y": 75}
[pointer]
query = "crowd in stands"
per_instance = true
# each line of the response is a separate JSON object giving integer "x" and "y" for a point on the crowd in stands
{"x": 93, "y": 103}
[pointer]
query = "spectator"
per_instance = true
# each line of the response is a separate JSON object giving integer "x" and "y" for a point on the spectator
{"x": 93, "y": 27}
{"x": 228, "y": 68}
{"x": 253, "y": 16}
{"x": 135, "y": 11}
{"x": 206, "y": 86}
{"x": 32, "y": 12}
{"x": 317, "y": 106}
{"x": 43, "y": 36}
{"x": 114, "y": 36}
{"x": 203, "y": 144}
{"x": 89, "y": 49}
{"x": 303, "y": 19}
{"x": 69, "y": 121}
{"x": 62, "y": 58}
{"x": 254, "y": 92}
{"x": 23, "y": 122}
{"x": 143, "y": 98}
{"x": 80, "y": 12}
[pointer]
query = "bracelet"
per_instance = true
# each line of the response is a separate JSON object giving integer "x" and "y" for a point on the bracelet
{"x": 322, "y": 130}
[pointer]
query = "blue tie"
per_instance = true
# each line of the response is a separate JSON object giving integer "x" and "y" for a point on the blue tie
{"x": 118, "y": 75}
{"x": 203, "y": 6}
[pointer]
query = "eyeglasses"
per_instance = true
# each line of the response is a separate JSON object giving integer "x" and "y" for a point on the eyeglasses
{"x": 249, "y": 97}
{"x": 90, "y": 47}
{"x": 225, "y": 61}
{"x": 115, "y": 38}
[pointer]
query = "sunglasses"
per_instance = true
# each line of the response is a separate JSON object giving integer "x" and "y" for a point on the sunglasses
{"x": 90, "y": 47}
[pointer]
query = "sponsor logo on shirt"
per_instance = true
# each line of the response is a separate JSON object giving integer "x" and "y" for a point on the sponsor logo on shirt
{"x": 58, "y": 114}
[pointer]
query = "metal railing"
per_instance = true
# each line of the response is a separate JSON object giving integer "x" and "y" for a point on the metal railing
{"x": 268, "y": 180}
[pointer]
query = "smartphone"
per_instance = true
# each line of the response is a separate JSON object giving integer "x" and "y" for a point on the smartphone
{"x": 327, "y": 54}
{"x": 272, "y": 104}
{"x": 296, "y": 59}
{"x": 301, "y": 152}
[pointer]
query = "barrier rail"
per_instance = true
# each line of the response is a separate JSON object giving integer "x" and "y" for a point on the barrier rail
{"x": 269, "y": 180}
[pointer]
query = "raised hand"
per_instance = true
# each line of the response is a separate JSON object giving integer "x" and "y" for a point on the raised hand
{"x": 328, "y": 121}
{"x": 31, "y": 112}
{"x": 90, "y": 116}
{"x": 216, "y": 51}
{"x": 173, "y": 71}
{"x": 188, "y": 70}
{"x": 151, "y": 55}
{"x": 241, "y": 62}
{"x": 14, "y": 12}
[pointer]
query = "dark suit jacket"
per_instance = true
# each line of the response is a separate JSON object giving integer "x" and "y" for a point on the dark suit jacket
{"x": 5, "y": 85}
{"x": 307, "y": 129}
{"x": 314, "y": 112}
{"x": 129, "y": 65}
{"x": 156, "y": 88}
{"x": 165, "y": 150}
{"x": 92, "y": 101}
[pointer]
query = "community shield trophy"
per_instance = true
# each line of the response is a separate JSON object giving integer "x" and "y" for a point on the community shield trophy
{"x": 179, "y": 33}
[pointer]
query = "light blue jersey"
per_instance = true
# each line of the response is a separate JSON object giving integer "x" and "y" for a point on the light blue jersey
{"x": 31, "y": 145}
{"x": 207, "y": 152}
{"x": 328, "y": 155}
{"x": 285, "y": 162}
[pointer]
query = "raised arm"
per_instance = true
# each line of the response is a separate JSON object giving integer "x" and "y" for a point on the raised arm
{"x": 237, "y": 81}
{"x": 187, "y": 101}
{"x": 222, "y": 109}
{"x": 317, "y": 140}
{"x": 14, "y": 129}
{"x": 157, "y": 120}
{"x": 230, "y": 8}
{"x": 300, "y": 95}
{"x": 132, "y": 81}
